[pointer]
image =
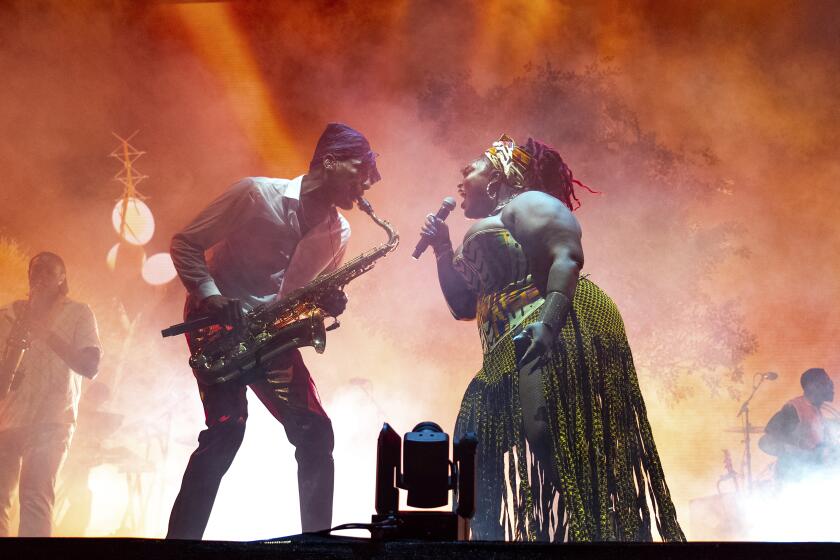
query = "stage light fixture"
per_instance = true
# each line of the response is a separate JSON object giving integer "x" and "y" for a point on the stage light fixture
{"x": 427, "y": 476}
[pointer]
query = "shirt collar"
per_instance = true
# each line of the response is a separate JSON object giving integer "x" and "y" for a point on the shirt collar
{"x": 293, "y": 188}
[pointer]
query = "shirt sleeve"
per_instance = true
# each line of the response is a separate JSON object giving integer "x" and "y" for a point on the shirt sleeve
{"x": 86, "y": 333}
{"x": 223, "y": 216}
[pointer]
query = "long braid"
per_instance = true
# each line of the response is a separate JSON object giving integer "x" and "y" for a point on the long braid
{"x": 550, "y": 174}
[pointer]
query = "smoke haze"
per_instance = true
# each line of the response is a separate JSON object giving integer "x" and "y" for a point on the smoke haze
{"x": 710, "y": 129}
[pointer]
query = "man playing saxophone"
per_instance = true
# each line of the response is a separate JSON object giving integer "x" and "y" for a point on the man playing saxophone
{"x": 260, "y": 240}
{"x": 48, "y": 344}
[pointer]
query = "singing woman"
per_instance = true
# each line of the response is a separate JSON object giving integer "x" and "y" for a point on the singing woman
{"x": 565, "y": 448}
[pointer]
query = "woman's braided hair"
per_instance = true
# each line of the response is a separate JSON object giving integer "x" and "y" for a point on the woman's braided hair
{"x": 547, "y": 172}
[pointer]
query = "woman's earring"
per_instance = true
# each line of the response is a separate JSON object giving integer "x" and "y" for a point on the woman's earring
{"x": 495, "y": 193}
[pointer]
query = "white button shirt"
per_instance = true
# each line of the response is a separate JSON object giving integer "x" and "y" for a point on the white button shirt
{"x": 49, "y": 391}
{"x": 256, "y": 251}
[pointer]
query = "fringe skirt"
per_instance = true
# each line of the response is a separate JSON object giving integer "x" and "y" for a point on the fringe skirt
{"x": 605, "y": 470}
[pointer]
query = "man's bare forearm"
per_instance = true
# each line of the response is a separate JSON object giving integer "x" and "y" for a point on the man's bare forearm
{"x": 84, "y": 361}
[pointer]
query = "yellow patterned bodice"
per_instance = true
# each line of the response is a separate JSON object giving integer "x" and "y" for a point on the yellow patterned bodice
{"x": 495, "y": 267}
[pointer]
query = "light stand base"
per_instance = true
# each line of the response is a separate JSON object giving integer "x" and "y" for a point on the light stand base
{"x": 421, "y": 526}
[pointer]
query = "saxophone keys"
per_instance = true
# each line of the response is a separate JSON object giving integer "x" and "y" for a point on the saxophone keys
{"x": 199, "y": 361}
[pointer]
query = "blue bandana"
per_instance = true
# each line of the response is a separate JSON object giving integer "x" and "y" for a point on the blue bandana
{"x": 345, "y": 142}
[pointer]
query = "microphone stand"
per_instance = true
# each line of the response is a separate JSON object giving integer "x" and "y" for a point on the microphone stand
{"x": 745, "y": 411}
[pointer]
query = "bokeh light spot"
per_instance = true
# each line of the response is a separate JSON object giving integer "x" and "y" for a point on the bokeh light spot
{"x": 111, "y": 259}
{"x": 158, "y": 269}
{"x": 126, "y": 258}
{"x": 139, "y": 222}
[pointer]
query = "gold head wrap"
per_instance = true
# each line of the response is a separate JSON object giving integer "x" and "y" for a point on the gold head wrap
{"x": 510, "y": 159}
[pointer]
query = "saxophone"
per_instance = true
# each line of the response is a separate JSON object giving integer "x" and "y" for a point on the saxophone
{"x": 17, "y": 343}
{"x": 271, "y": 329}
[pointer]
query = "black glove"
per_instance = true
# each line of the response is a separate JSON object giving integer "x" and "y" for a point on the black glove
{"x": 225, "y": 311}
{"x": 335, "y": 303}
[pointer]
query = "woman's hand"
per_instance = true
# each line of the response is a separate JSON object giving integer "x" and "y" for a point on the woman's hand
{"x": 533, "y": 344}
{"x": 437, "y": 232}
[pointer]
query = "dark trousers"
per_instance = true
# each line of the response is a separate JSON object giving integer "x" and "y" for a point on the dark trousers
{"x": 289, "y": 393}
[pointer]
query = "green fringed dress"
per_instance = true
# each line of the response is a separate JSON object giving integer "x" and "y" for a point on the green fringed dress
{"x": 604, "y": 469}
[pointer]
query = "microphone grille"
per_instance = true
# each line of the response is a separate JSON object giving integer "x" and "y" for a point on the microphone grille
{"x": 449, "y": 203}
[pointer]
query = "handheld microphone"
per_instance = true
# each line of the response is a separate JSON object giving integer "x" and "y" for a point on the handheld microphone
{"x": 445, "y": 208}
{"x": 770, "y": 375}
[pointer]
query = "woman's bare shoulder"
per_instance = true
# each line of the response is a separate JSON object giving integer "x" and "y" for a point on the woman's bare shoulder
{"x": 536, "y": 201}
{"x": 537, "y": 207}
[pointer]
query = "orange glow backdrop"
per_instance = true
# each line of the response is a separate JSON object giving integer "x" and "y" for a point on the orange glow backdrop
{"x": 709, "y": 127}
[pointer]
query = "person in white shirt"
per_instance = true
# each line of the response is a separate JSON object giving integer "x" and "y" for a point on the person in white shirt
{"x": 38, "y": 415}
{"x": 258, "y": 241}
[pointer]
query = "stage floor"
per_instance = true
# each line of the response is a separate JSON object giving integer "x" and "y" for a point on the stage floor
{"x": 329, "y": 548}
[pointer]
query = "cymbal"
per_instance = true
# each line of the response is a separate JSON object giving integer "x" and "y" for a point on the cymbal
{"x": 753, "y": 430}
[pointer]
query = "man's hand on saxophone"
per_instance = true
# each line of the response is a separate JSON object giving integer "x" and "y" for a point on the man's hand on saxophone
{"x": 335, "y": 303}
{"x": 227, "y": 311}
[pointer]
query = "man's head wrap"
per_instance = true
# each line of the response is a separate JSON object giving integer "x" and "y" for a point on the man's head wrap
{"x": 345, "y": 142}
{"x": 535, "y": 166}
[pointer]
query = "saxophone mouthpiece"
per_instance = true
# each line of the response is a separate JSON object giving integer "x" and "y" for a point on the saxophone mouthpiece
{"x": 364, "y": 205}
